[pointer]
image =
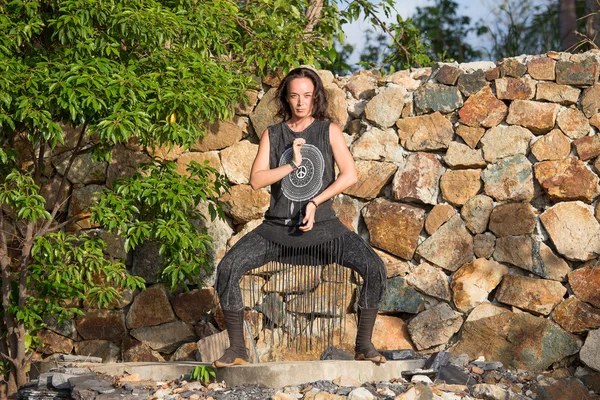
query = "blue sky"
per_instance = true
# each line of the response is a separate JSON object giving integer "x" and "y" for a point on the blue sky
{"x": 476, "y": 9}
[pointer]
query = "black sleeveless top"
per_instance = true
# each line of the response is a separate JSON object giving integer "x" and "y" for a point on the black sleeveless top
{"x": 290, "y": 195}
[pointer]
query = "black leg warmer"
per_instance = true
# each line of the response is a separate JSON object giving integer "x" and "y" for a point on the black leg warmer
{"x": 364, "y": 349}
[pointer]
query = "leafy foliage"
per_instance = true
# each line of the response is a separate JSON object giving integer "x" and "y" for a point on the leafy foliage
{"x": 158, "y": 204}
{"x": 445, "y": 31}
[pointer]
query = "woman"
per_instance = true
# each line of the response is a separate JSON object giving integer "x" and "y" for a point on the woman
{"x": 296, "y": 157}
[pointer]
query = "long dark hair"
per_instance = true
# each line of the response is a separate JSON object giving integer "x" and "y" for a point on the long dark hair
{"x": 319, "y": 108}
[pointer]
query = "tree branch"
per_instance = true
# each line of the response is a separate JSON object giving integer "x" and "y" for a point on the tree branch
{"x": 59, "y": 200}
{"x": 313, "y": 14}
{"x": 387, "y": 30}
{"x": 40, "y": 164}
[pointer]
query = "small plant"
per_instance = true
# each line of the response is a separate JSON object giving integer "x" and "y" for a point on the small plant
{"x": 203, "y": 373}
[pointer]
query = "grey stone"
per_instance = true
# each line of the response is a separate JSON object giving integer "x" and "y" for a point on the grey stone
{"x": 399, "y": 297}
{"x": 432, "y": 97}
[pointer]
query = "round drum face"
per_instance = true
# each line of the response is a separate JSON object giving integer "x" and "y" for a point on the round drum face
{"x": 305, "y": 182}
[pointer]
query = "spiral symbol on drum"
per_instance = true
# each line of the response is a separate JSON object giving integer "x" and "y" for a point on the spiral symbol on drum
{"x": 305, "y": 182}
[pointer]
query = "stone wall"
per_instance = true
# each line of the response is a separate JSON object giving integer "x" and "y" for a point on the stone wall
{"x": 478, "y": 186}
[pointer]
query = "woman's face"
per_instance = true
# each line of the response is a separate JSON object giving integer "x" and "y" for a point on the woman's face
{"x": 300, "y": 97}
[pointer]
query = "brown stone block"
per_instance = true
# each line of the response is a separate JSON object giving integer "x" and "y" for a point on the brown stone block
{"x": 394, "y": 227}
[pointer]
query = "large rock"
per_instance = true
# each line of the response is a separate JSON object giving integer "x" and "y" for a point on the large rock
{"x": 504, "y": 141}
{"x": 417, "y": 179}
{"x": 220, "y": 230}
{"x": 186, "y": 352}
{"x": 547, "y": 264}
{"x": 474, "y": 281}
{"x": 296, "y": 279}
{"x": 458, "y": 186}
{"x": 81, "y": 200}
{"x": 472, "y": 83}
{"x": 265, "y": 113}
{"x": 237, "y": 161}
{"x": 372, "y": 177}
{"x": 512, "y": 219}
{"x": 49, "y": 191}
{"x": 463, "y": 156}
{"x": 124, "y": 163}
{"x": 512, "y": 67}
{"x": 106, "y": 350}
{"x": 438, "y": 216}
{"x": 136, "y": 351}
{"x": 589, "y": 352}
{"x": 435, "y": 326}
{"x": 53, "y": 342}
{"x": 84, "y": 169}
{"x": 511, "y": 178}
{"x": 394, "y": 227}
{"x": 515, "y": 88}
{"x": 538, "y": 296}
{"x": 483, "y": 109}
{"x": 560, "y": 388}
{"x": 484, "y": 245}
{"x": 391, "y": 333}
{"x": 577, "y": 73}
{"x": 244, "y": 203}
{"x": 515, "y": 250}
{"x": 470, "y": 135}
{"x": 575, "y": 316}
{"x": 542, "y": 68}
{"x": 449, "y": 247}
{"x": 573, "y": 123}
{"x": 191, "y": 306}
{"x": 536, "y": 116}
{"x": 150, "y": 307}
{"x": 476, "y": 213}
{"x": 399, "y": 297}
{"x": 336, "y": 105}
{"x": 554, "y": 93}
{"x": 393, "y": 265}
{"x": 362, "y": 85}
{"x": 448, "y": 74}
{"x": 212, "y": 157}
{"x": 102, "y": 324}
{"x": 585, "y": 282}
{"x": 425, "y": 133}
{"x": 329, "y": 299}
{"x": 573, "y": 230}
{"x": 245, "y": 106}
{"x": 432, "y": 97}
{"x": 552, "y": 146}
{"x": 220, "y": 134}
{"x": 403, "y": 78}
{"x": 347, "y": 209}
{"x": 379, "y": 145}
{"x": 590, "y": 100}
{"x": 147, "y": 261}
{"x": 166, "y": 337}
{"x": 567, "y": 179}
{"x": 430, "y": 281}
{"x": 518, "y": 340}
{"x": 385, "y": 108}
{"x": 587, "y": 147}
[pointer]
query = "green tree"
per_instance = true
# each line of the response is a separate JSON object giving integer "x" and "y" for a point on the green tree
{"x": 155, "y": 72}
{"x": 522, "y": 27}
{"x": 445, "y": 31}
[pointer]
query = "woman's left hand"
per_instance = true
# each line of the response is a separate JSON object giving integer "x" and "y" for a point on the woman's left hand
{"x": 309, "y": 218}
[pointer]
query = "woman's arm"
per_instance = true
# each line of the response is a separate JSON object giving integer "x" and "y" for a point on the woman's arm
{"x": 346, "y": 178}
{"x": 261, "y": 175}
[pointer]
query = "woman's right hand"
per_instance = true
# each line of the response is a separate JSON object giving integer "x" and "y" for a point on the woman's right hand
{"x": 296, "y": 147}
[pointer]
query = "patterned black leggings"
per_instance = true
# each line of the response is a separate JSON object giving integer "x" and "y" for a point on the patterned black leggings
{"x": 250, "y": 252}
